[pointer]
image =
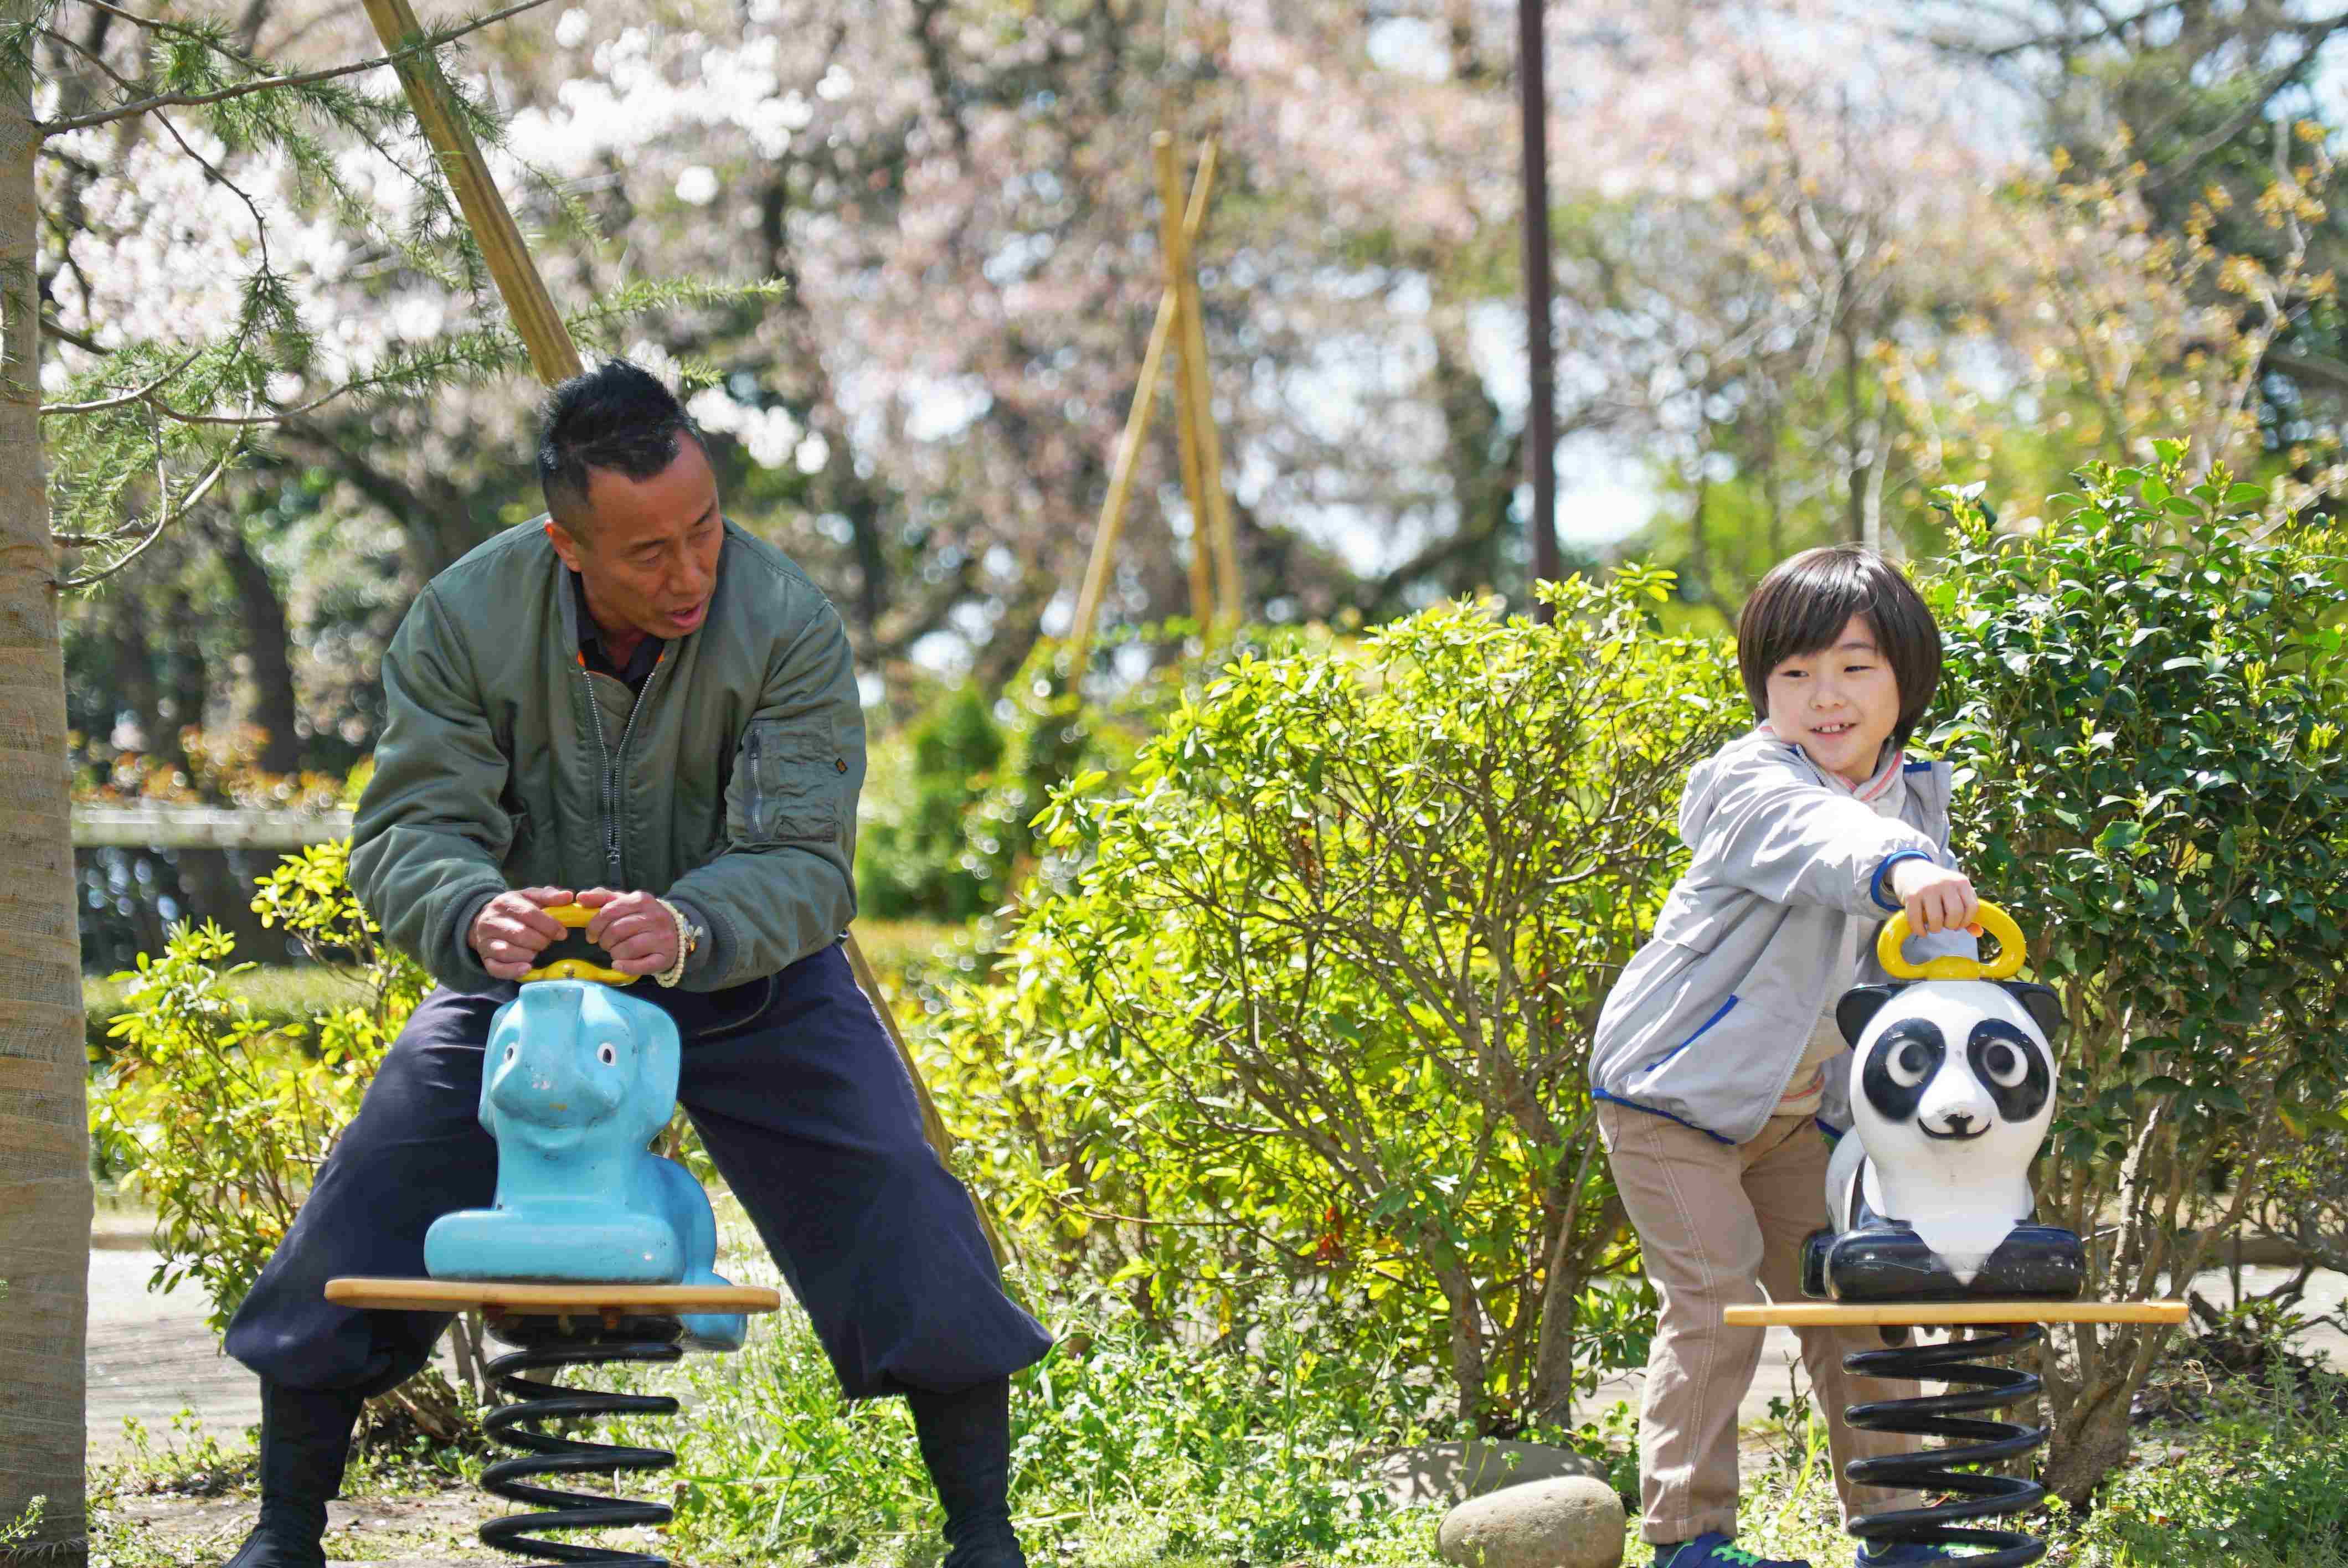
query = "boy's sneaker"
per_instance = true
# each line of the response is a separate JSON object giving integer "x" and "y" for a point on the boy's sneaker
{"x": 1713, "y": 1550}
{"x": 1907, "y": 1556}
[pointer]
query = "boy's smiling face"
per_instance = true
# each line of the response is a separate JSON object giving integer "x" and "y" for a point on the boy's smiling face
{"x": 1839, "y": 703}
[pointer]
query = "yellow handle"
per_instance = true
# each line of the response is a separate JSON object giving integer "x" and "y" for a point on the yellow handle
{"x": 1890, "y": 950}
{"x": 576, "y": 916}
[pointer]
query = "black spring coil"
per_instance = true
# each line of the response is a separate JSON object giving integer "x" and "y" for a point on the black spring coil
{"x": 1958, "y": 1361}
{"x": 547, "y": 1344}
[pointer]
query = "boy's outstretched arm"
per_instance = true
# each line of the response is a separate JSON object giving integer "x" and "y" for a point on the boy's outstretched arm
{"x": 1763, "y": 826}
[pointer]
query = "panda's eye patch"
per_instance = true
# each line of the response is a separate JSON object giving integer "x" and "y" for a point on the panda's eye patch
{"x": 607, "y": 1055}
{"x": 1904, "y": 1058}
{"x": 2012, "y": 1066}
{"x": 2005, "y": 1065}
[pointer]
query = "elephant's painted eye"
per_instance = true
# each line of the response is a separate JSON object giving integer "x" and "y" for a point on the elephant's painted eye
{"x": 1911, "y": 1063}
{"x": 2005, "y": 1065}
{"x": 607, "y": 1056}
{"x": 512, "y": 1050}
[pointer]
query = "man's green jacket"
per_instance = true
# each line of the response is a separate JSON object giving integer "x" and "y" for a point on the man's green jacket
{"x": 728, "y": 786}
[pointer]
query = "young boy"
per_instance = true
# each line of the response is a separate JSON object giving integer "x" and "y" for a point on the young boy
{"x": 1718, "y": 1067}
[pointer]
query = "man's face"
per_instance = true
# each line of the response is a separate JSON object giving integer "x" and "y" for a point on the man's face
{"x": 646, "y": 552}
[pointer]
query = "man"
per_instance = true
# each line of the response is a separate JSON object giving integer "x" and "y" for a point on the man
{"x": 639, "y": 702}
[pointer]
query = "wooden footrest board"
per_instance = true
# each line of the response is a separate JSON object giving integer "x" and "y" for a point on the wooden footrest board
{"x": 1933, "y": 1314}
{"x": 546, "y": 1298}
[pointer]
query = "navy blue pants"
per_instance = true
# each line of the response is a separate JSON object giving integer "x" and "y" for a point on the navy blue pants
{"x": 799, "y": 1096}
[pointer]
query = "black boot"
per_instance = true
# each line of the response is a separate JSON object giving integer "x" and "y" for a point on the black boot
{"x": 305, "y": 1440}
{"x": 966, "y": 1439}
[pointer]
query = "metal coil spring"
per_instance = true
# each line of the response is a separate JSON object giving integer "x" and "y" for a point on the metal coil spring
{"x": 550, "y": 1344}
{"x": 1958, "y": 1361}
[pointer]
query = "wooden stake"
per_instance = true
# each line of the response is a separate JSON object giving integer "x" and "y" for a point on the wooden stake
{"x": 1215, "y": 527}
{"x": 1129, "y": 448}
{"x": 1186, "y": 371}
{"x": 554, "y": 357}
{"x": 1120, "y": 486}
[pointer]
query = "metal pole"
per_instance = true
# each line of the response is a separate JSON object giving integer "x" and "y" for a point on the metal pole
{"x": 1540, "y": 429}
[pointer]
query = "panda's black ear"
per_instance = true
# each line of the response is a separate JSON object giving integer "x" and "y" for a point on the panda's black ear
{"x": 2043, "y": 1005}
{"x": 1860, "y": 1004}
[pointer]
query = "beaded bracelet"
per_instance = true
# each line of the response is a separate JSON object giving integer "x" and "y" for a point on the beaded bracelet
{"x": 675, "y": 971}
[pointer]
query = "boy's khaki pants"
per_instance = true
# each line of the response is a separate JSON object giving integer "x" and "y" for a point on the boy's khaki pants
{"x": 1717, "y": 1226}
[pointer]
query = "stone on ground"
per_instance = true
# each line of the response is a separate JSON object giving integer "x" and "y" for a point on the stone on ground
{"x": 1569, "y": 1521}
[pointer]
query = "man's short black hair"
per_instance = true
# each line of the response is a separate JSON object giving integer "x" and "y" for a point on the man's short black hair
{"x": 616, "y": 417}
{"x": 1804, "y": 603}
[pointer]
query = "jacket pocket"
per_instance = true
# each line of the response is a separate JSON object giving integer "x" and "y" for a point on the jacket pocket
{"x": 786, "y": 787}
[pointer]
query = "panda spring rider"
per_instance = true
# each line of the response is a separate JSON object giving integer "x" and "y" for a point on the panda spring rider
{"x": 1951, "y": 1091}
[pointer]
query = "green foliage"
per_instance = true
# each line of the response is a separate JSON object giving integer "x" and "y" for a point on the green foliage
{"x": 1126, "y": 1448}
{"x": 220, "y": 1117}
{"x": 2146, "y": 719}
{"x": 2258, "y": 1479}
{"x": 934, "y": 844}
{"x": 278, "y": 995}
{"x": 1315, "y": 1013}
{"x": 22, "y": 1527}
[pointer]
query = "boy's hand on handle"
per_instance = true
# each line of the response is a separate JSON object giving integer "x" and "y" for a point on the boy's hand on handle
{"x": 513, "y": 929}
{"x": 1936, "y": 899}
{"x": 633, "y": 928}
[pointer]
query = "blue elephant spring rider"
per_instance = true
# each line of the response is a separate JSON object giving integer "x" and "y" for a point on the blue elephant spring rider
{"x": 597, "y": 1250}
{"x": 1933, "y": 1223}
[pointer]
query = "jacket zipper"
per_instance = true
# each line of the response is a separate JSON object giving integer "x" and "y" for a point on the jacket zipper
{"x": 609, "y": 762}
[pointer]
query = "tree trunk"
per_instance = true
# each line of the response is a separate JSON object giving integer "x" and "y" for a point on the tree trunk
{"x": 45, "y": 1190}
{"x": 262, "y": 611}
{"x": 1468, "y": 1358}
{"x": 134, "y": 678}
{"x": 2091, "y": 1440}
{"x": 188, "y": 681}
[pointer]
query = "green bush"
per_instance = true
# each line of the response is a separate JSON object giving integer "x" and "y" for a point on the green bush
{"x": 2258, "y": 1478}
{"x": 928, "y": 847}
{"x": 278, "y": 995}
{"x": 2147, "y": 702}
{"x": 1315, "y": 1014}
{"x": 220, "y": 1114}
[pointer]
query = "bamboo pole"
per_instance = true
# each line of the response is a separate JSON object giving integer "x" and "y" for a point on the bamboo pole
{"x": 1214, "y": 528}
{"x": 1186, "y": 371}
{"x": 1120, "y": 487}
{"x": 1128, "y": 449}
{"x": 554, "y": 357}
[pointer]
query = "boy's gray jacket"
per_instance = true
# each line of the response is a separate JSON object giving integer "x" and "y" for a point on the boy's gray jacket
{"x": 1711, "y": 1017}
{"x": 727, "y": 787}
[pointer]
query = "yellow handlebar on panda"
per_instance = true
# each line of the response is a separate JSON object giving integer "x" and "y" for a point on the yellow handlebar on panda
{"x": 1890, "y": 950}
{"x": 576, "y": 916}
